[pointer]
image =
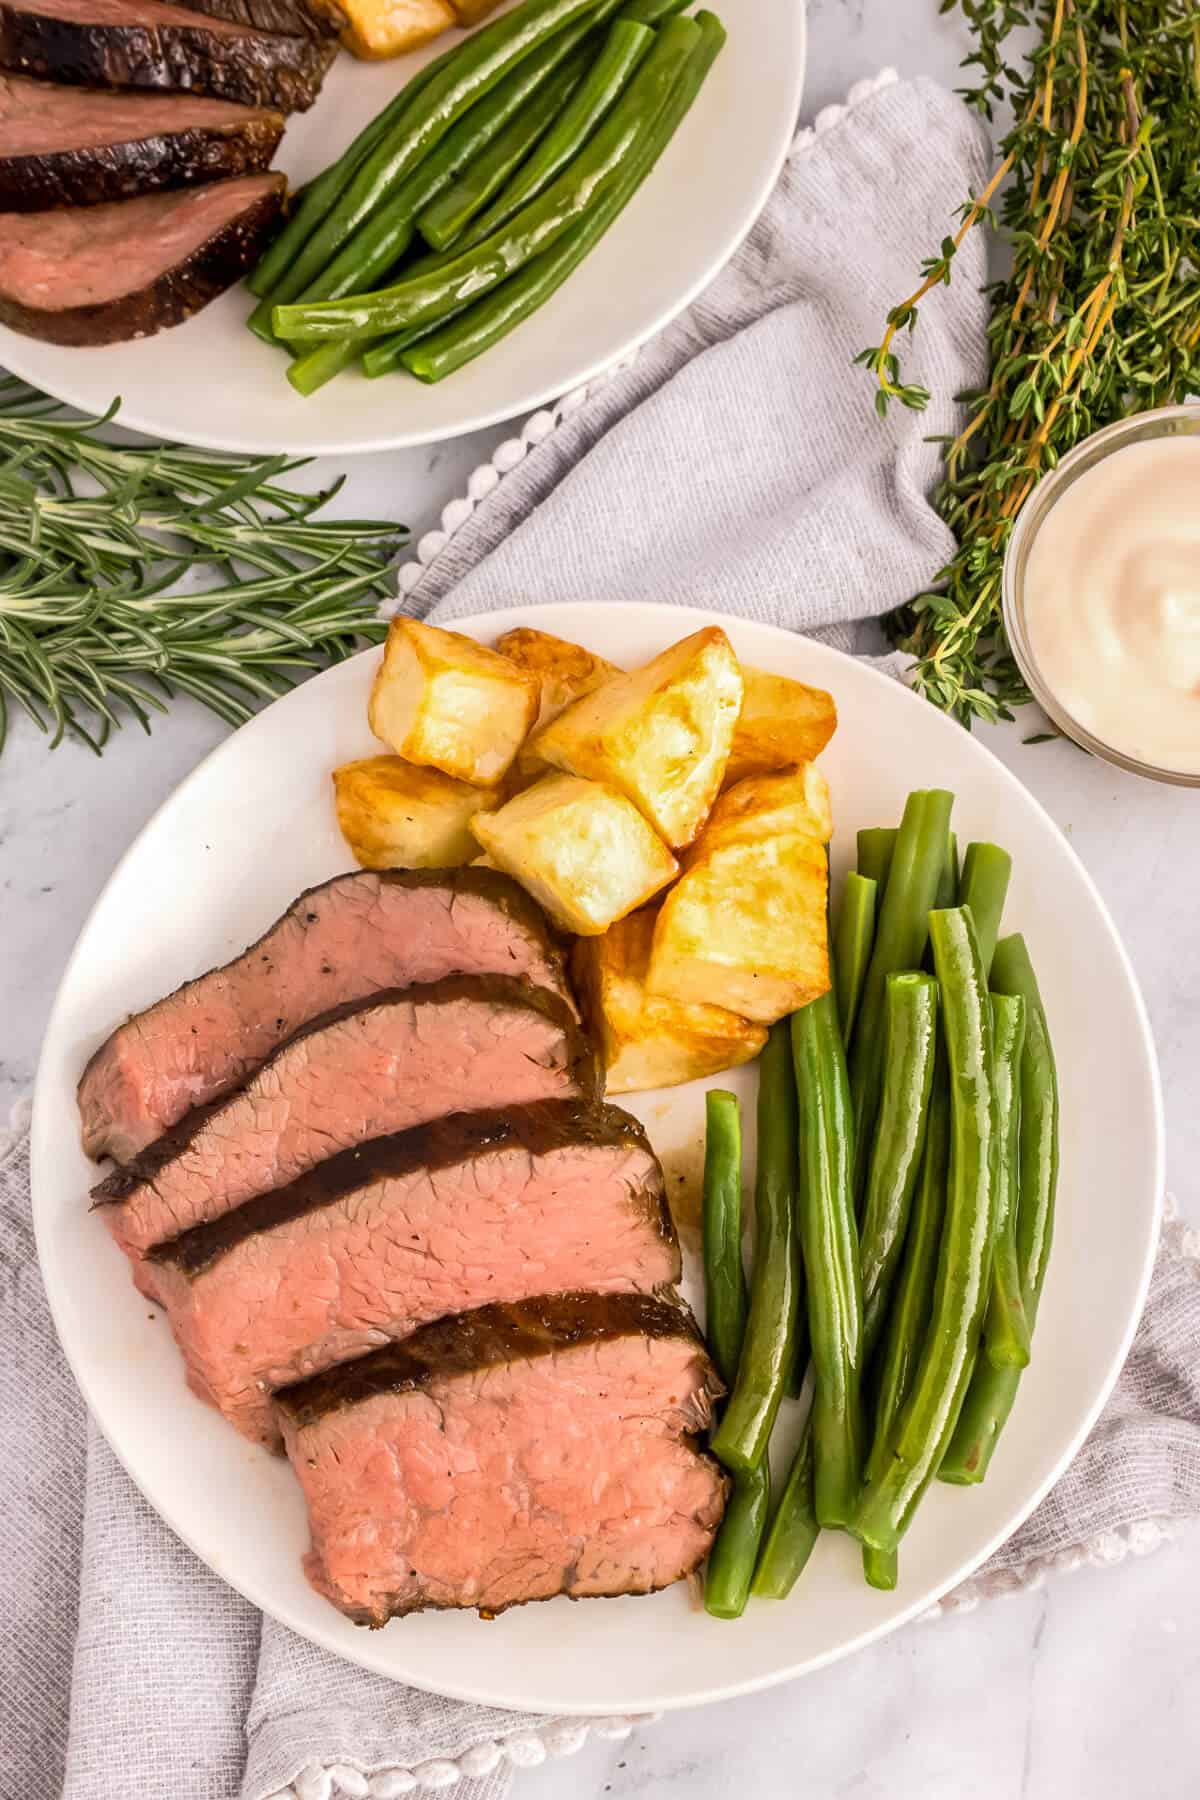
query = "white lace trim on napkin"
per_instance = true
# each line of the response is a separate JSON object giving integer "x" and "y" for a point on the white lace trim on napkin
{"x": 523, "y": 1749}
{"x": 542, "y": 424}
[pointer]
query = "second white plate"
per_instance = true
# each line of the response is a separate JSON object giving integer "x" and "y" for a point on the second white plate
{"x": 210, "y": 382}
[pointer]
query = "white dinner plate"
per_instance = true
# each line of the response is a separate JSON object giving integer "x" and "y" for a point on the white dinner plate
{"x": 211, "y": 382}
{"x": 252, "y": 827}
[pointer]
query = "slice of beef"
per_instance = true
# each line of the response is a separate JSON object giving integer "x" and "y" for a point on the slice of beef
{"x": 105, "y": 274}
{"x": 383, "y": 1238}
{"x": 507, "y": 1455}
{"x": 372, "y": 1066}
{"x": 67, "y": 146}
{"x": 307, "y": 18}
{"x": 153, "y": 44}
{"x": 352, "y": 937}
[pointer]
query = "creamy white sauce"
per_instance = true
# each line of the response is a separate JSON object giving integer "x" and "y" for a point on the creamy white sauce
{"x": 1112, "y": 601}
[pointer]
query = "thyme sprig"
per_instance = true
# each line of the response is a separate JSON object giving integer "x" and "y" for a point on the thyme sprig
{"x": 131, "y": 573}
{"x": 1099, "y": 314}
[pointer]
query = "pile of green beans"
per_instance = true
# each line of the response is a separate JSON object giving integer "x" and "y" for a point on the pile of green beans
{"x": 509, "y": 156}
{"x": 922, "y": 1119}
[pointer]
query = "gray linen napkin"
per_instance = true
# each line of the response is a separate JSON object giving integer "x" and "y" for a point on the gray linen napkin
{"x": 735, "y": 464}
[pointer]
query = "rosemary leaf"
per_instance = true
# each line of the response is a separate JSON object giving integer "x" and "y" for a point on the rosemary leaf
{"x": 130, "y": 574}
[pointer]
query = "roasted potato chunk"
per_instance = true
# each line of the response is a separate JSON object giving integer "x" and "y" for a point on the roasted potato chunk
{"x": 583, "y": 850}
{"x": 379, "y": 28}
{"x": 396, "y": 816}
{"x": 795, "y": 801}
{"x": 564, "y": 672}
{"x": 744, "y": 928}
{"x": 648, "y": 1041}
{"x": 442, "y": 700}
{"x": 471, "y": 11}
{"x": 782, "y": 722}
{"x": 660, "y": 734}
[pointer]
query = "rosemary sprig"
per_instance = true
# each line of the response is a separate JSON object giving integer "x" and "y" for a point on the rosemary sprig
{"x": 1099, "y": 315}
{"x": 130, "y": 574}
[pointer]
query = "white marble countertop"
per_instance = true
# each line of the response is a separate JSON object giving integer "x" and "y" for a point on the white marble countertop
{"x": 1085, "y": 1686}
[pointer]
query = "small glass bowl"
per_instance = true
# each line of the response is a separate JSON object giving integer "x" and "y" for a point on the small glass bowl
{"x": 1167, "y": 421}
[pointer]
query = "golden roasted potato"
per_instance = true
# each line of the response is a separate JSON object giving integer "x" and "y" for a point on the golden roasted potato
{"x": 583, "y": 850}
{"x": 396, "y": 816}
{"x": 660, "y": 734}
{"x": 795, "y": 800}
{"x": 564, "y": 671}
{"x": 781, "y": 722}
{"x": 471, "y": 11}
{"x": 379, "y": 28}
{"x": 744, "y": 928}
{"x": 442, "y": 700}
{"x": 648, "y": 1041}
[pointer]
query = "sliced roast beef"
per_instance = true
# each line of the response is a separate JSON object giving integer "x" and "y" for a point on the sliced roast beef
{"x": 105, "y": 274}
{"x": 311, "y": 18}
{"x": 385, "y": 1237}
{"x": 364, "y": 1069}
{"x": 152, "y": 44}
{"x": 355, "y": 936}
{"x": 69, "y": 146}
{"x": 507, "y": 1455}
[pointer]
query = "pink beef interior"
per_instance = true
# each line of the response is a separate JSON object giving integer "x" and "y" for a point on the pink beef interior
{"x": 146, "y": 13}
{"x": 562, "y": 1475}
{"x": 355, "y": 936}
{"x": 38, "y": 118}
{"x": 378, "y": 1262}
{"x": 382, "y": 1069}
{"x": 87, "y": 255}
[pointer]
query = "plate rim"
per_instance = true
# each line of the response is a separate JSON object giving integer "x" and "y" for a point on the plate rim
{"x": 248, "y": 444}
{"x": 482, "y": 625}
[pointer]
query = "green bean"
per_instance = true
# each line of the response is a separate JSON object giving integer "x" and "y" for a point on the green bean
{"x": 852, "y": 945}
{"x": 309, "y": 372}
{"x": 446, "y": 217}
{"x": 919, "y": 1439}
{"x": 983, "y": 887}
{"x": 913, "y": 878}
{"x": 768, "y": 1347}
{"x": 912, "y": 1302}
{"x": 1005, "y": 1327}
{"x": 830, "y": 1244}
{"x": 724, "y": 1280}
{"x": 651, "y": 12}
{"x": 731, "y": 1561}
{"x": 947, "y": 893}
{"x": 624, "y": 48}
{"x": 793, "y": 1529}
{"x": 382, "y": 241}
{"x": 536, "y": 88}
{"x": 992, "y": 1391}
{"x": 910, "y": 1034}
{"x": 480, "y": 62}
{"x": 595, "y": 174}
{"x": 876, "y": 847}
{"x": 319, "y": 196}
{"x": 384, "y": 356}
{"x": 485, "y": 324}
{"x": 881, "y": 1568}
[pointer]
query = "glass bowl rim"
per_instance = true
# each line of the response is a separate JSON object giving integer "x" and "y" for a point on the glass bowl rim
{"x": 1140, "y": 427}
